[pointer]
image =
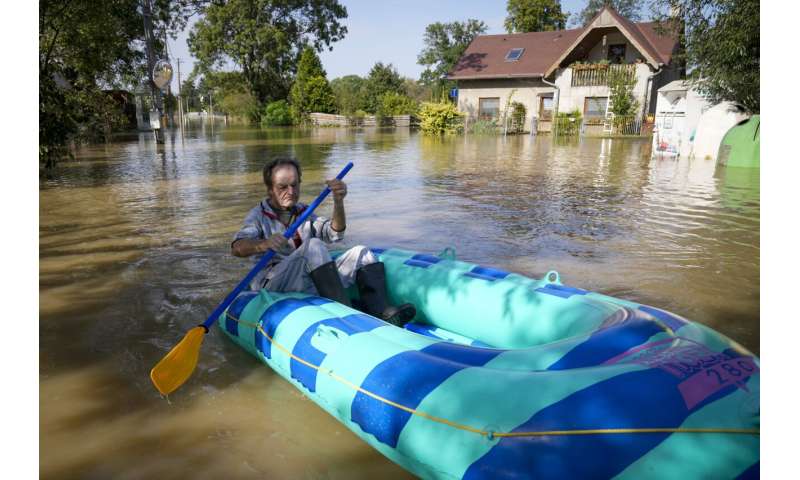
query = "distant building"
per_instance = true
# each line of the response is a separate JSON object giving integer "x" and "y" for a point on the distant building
{"x": 564, "y": 70}
{"x": 126, "y": 102}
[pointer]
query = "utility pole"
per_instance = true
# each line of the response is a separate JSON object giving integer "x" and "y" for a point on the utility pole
{"x": 151, "y": 63}
{"x": 168, "y": 111}
{"x": 180, "y": 100}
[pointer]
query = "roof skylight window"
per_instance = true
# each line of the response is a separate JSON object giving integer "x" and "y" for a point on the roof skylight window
{"x": 514, "y": 54}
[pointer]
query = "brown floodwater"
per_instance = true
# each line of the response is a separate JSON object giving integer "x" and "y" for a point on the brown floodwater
{"x": 134, "y": 251}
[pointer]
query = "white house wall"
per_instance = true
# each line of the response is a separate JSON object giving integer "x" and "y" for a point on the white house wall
{"x": 527, "y": 92}
{"x": 600, "y": 52}
{"x": 573, "y": 97}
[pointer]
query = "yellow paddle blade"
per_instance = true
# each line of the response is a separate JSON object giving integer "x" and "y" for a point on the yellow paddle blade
{"x": 177, "y": 366}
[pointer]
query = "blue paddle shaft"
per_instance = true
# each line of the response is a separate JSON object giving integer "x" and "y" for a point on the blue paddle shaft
{"x": 271, "y": 253}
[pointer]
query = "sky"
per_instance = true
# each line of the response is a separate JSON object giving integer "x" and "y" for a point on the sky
{"x": 388, "y": 31}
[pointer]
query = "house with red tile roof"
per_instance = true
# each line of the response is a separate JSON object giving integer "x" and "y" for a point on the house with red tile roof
{"x": 564, "y": 70}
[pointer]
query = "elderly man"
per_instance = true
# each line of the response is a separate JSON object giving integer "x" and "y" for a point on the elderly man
{"x": 303, "y": 264}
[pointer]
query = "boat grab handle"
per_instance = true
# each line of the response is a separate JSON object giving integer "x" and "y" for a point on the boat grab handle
{"x": 449, "y": 253}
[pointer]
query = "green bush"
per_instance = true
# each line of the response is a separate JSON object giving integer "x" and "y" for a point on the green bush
{"x": 357, "y": 118}
{"x": 518, "y": 113}
{"x": 242, "y": 105}
{"x": 276, "y": 113}
{"x": 621, "y": 84}
{"x": 569, "y": 123}
{"x": 393, "y": 103}
{"x": 483, "y": 127}
{"x": 440, "y": 118}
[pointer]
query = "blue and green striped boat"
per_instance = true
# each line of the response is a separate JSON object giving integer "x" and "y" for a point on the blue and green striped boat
{"x": 505, "y": 376}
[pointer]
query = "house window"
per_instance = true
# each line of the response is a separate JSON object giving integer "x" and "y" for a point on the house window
{"x": 616, "y": 53}
{"x": 488, "y": 107}
{"x": 594, "y": 108}
{"x": 546, "y": 108}
{"x": 514, "y": 54}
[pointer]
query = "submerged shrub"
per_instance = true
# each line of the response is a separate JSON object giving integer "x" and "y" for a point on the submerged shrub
{"x": 518, "y": 113}
{"x": 241, "y": 105}
{"x": 276, "y": 113}
{"x": 356, "y": 118}
{"x": 483, "y": 127}
{"x": 569, "y": 123}
{"x": 440, "y": 118}
{"x": 393, "y": 103}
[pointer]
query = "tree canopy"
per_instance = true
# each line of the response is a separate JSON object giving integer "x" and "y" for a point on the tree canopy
{"x": 722, "y": 46}
{"x": 264, "y": 38}
{"x": 310, "y": 91}
{"x": 86, "y": 47}
{"x": 396, "y": 103}
{"x": 630, "y": 9}
{"x": 534, "y": 16}
{"x": 417, "y": 90}
{"x": 381, "y": 79}
{"x": 350, "y": 92}
{"x": 190, "y": 94}
{"x": 444, "y": 45}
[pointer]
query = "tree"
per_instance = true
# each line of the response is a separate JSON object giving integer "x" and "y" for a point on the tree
{"x": 629, "y": 9}
{"x": 417, "y": 90}
{"x": 382, "y": 79}
{"x": 86, "y": 47}
{"x": 350, "y": 92}
{"x": 240, "y": 105}
{"x": 230, "y": 93}
{"x": 534, "y": 16}
{"x": 190, "y": 94}
{"x": 394, "y": 103}
{"x": 444, "y": 45}
{"x": 264, "y": 39}
{"x": 621, "y": 83}
{"x": 310, "y": 90}
{"x": 225, "y": 83}
{"x": 722, "y": 46}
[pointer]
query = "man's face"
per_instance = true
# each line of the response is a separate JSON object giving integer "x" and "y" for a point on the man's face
{"x": 285, "y": 190}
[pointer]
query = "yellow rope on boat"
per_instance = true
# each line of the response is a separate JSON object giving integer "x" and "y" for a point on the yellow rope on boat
{"x": 489, "y": 433}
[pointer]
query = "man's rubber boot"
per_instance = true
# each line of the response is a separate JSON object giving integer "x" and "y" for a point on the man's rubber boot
{"x": 329, "y": 284}
{"x": 371, "y": 281}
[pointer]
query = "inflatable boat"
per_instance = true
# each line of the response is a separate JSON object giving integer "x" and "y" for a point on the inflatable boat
{"x": 504, "y": 376}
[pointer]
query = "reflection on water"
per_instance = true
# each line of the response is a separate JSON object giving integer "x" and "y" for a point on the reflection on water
{"x": 134, "y": 245}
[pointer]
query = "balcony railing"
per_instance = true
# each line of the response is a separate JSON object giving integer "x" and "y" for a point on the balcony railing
{"x": 593, "y": 75}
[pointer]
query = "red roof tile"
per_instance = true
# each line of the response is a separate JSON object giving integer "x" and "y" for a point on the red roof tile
{"x": 485, "y": 56}
{"x": 664, "y": 45}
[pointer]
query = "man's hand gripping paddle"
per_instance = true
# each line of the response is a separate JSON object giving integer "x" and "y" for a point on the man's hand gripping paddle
{"x": 177, "y": 366}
